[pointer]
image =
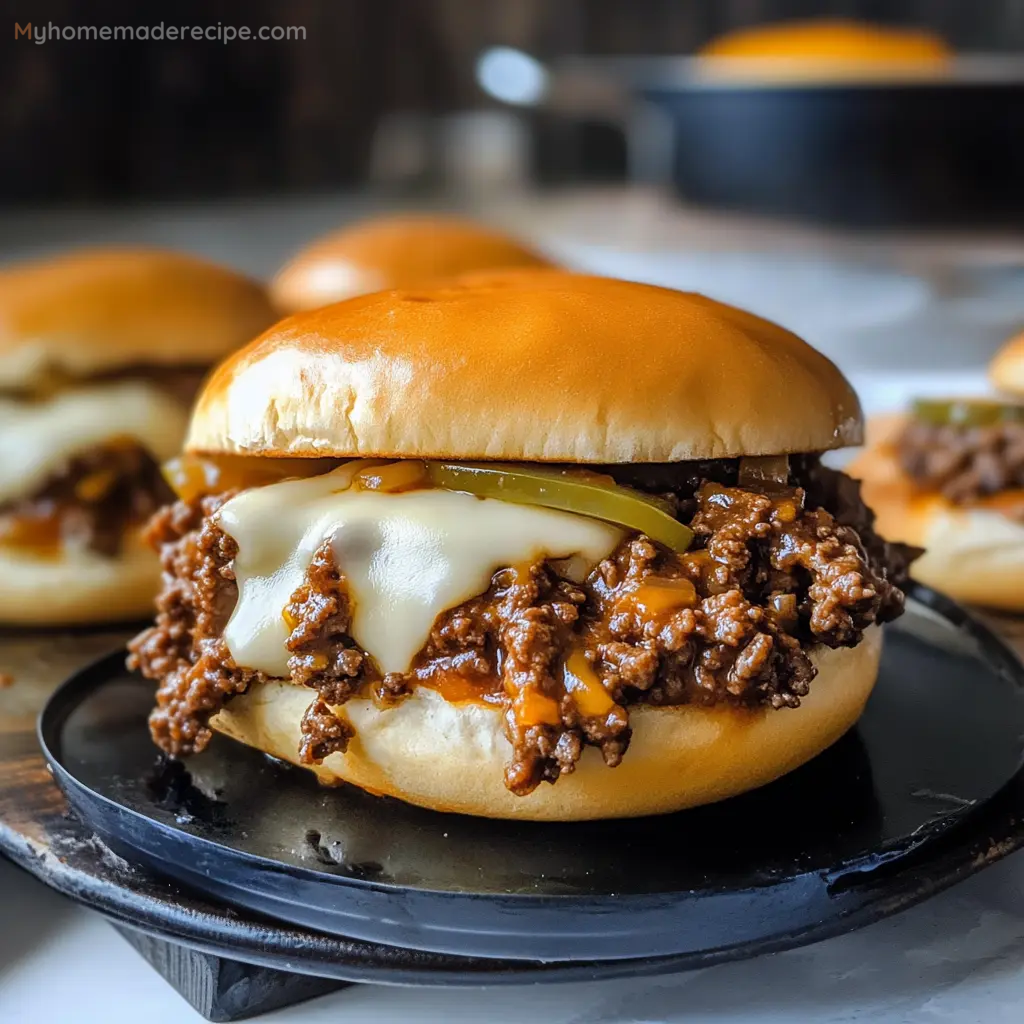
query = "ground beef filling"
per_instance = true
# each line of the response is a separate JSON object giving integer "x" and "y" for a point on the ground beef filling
{"x": 770, "y": 576}
{"x": 965, "y": 464}
{"x": 181, "y": 382}
{"x": 102, "y": 492}
{"x": 91, "y": 502}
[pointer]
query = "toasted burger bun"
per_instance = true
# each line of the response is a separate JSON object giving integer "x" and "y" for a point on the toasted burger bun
{"x": 78, "y": 587}
{"x": 1007, "y": 369}
{"x": 451, "y": 757}
{"x": 393, "y": 252}
{"x": 531, "y": 367}
{"x": 98, "y": 310}
{"x": 975, "y": 555}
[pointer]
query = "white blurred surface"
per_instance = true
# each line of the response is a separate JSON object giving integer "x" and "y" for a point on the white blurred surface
{"x": 958, "y": 959}
{"x": 890, "y": 391}
{"x": 862, "y": 314}
{"x": 872, "y": 303}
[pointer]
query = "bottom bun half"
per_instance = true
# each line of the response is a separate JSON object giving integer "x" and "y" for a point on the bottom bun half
{"x": 78, "y": 587}
{"x": 451, "y": 756}
{"x": 975, "y": 555}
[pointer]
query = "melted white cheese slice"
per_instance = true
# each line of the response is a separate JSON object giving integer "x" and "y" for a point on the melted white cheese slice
{"x": 407, "y": 558}
{"x": 37, "y": 438}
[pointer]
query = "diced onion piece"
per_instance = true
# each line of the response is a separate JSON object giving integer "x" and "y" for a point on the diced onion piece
{"x": 585, "y": 494}
{"x": 764, "y": 471}
{"x": 192, "y": 476}
{"x": 784, "y": 608}
{"x": 393, "y": 477}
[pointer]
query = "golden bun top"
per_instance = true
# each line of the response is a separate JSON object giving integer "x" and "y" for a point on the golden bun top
{"x": 393, "y": 252}
{"x": 825, "y": 49}
{"x": 94, "y": 311}
{"x": 528, "y": 366}
{"x": 1007, "y": 369}
{"x": 830, "y": 38}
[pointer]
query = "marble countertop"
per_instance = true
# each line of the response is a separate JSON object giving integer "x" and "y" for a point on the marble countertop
{"x": 957, "y": 959}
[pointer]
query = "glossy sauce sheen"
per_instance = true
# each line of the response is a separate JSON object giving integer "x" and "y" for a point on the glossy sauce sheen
{"x": 37, "y": 438}
{"x": 407, "y": 557}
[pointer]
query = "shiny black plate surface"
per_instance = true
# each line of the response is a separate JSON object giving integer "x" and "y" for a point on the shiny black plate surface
{"x": 891, "y": 813}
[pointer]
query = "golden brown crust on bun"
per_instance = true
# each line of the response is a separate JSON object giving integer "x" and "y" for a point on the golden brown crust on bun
{"x": 393, "y": 252}
{"x": 531, "y": 367}
{"x": 973, "y": 554}
{"x": 97, "y": 310}
{"x": 451, "y": 757}
{"x": 78, "y": 588}
{"x": 1007, "y": 369}
{"x": 824, "y": 50}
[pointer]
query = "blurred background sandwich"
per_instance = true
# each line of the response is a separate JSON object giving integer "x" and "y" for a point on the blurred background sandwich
{"x": 400, "y": 251}
{"x": 101, "y": 353}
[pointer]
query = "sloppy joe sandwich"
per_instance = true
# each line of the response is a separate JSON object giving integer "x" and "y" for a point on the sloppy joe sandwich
{"x": 949, "y": 476}
{"x": 542, "y": 546}
{"x": 399, "y": 251}
{"x": 101, "y": 353}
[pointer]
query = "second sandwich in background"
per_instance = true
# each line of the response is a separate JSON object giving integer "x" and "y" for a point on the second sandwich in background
{"x": 949, "y": 476}
{"x": 101, "y": 354}
{"x": 398, "y": 251}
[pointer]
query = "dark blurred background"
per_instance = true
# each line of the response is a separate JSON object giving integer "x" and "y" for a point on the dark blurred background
{"x": 120, "y": 120}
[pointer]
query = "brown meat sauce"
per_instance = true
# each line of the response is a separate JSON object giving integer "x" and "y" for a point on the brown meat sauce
{"x": 732, "y": 621}
{"x": 90, "y": 502}
{"x": 965, "y": 464}
{"x": 103, "y": 491}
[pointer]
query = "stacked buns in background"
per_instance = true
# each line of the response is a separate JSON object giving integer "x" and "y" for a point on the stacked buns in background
{"x": 402, "y": 251}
